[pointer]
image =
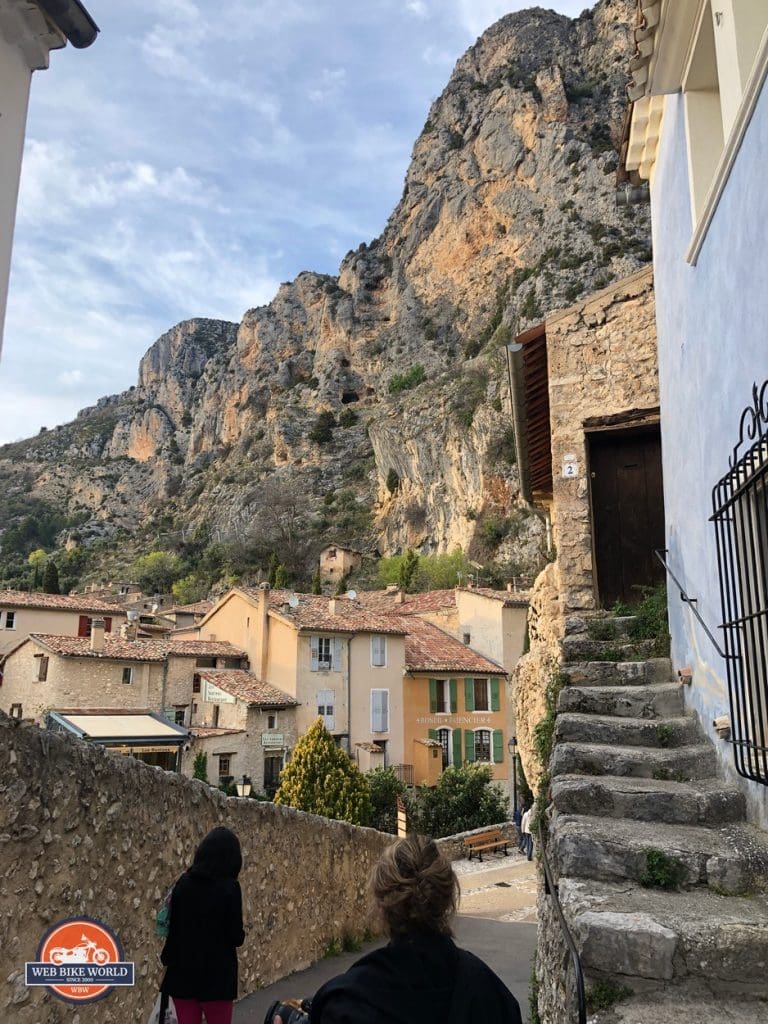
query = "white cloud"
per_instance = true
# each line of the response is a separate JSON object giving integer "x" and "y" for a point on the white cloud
{"x": 330, "y": 84}
{"x": 418, "y": 8}
{"x": 71, "y": 377}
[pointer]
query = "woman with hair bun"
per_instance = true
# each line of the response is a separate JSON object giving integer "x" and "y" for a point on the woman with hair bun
{"x": 421, "y": 975}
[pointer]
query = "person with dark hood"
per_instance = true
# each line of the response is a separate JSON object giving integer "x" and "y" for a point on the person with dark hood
{"x": 421, "y": 975}
{"x": 206, "y": 927}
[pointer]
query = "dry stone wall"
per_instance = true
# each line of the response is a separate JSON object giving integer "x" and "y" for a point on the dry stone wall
{"x": 84, "y": 832}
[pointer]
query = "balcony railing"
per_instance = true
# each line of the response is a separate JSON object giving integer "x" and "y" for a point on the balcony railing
{"x": 403, "y": 773}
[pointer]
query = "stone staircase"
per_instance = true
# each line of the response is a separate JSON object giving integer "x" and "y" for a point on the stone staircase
{"x": 661, "y": 880}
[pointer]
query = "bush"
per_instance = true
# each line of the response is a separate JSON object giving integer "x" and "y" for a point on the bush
{"x": 463, "y": 799}
{"x": 385, "y": 788}
{"x": 393, "y": 481}
{"x": 405, "y": 381}
{"x": 200, "y": 767}
{"x": 348, "y": 418}
{"x": 321, "y": 779}
{"x": 322, "y": 431}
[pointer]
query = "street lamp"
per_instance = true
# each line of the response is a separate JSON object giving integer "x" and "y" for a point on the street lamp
{"x": 244, "y": 788}
{"x": 512, "y": 748}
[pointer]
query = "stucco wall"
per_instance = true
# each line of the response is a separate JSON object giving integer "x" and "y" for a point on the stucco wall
{"x": 712, "y": 348}
{"x": 39, "y": 620}
{"x": 84, "y": 832}
{"x": 363, "y": 678}
{"x": 602, "y": 362}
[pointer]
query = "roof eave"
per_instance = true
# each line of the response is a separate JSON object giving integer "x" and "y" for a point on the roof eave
{"x": 71, "y": 18}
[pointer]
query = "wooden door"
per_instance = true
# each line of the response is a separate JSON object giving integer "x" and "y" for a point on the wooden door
{"x": 627, "y": 512}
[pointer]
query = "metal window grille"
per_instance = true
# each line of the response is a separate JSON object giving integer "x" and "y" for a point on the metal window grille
{"x": 740, "y": 515}
{"x": 404, "y": 773}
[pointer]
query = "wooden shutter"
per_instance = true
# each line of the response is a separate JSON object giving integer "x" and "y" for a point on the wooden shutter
{"x": 469, "y": 745}
{"x": 84, "y": 626}
{"x": 457, "y": 748}
{"x": 42, "y": 673}
{"x": 314, "y": 648}
{"x": 107, "y": 623}
{"x": 336, "y": 645}
{"x": 432, "y": 734}
{"x": 469, "y": 699}
{"x": 432, "y": 696}
{"x": 498, "y": 746}
{"x": 454, "y": 701}
{"x": 495, "y": 703}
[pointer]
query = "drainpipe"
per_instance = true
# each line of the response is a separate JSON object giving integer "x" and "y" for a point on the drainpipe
{"x": 163, "y": 685}
{"x": 349, "y": 694}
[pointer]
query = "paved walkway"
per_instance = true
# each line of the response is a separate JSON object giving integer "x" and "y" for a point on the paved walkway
{"x": 497, "y": 921}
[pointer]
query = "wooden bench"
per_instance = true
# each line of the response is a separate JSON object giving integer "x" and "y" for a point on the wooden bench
{"x": 490, "y": 840}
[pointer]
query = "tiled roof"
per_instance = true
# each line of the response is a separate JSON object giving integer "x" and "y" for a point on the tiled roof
{"x": 203, "y": 731}
{"x": 117, "y": 649}
{"x": 248, "y": 687}
{"x": 392, "y": 602}
{"x": 430, "y": 649}
{"x": 58, "y": 602}
{"x": 509, "y": 598}
{"x": 313, "y": 612}
{"x": 197, "y": 608}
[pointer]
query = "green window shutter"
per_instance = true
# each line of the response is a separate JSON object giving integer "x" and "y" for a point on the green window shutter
{"x": 469, "y": 745}
{"x": 432, "y": 696}
{"x": 457, "y": 748}
{"x": 469, "y": 697}
{"x": 498, "y": 746}
{"x": 431, "y": 734}
{"x": 495, "y": 705}
{"x": 454, "y": 702}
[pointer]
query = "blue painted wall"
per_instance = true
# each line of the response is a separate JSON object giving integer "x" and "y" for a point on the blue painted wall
{"x": 713, "y": 345}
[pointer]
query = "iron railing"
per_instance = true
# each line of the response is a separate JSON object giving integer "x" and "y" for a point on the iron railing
{"x": 403, "y": 773}
{"x": 551, "y": 889}
{"x": 740, "y": 516}
{"x": 690, "y": 601}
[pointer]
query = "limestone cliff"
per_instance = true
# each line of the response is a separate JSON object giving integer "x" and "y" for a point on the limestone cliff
{"x": 508, "y": 212}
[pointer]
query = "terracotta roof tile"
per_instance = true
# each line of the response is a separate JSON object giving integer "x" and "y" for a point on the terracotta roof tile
{"x": 248, "y": 687}
{"x": 196, "y": 608}
{"x": 117, "y": 649}
{"x": 212, "y": 730}
{"x": 315, "y": 613}
{"x": 392, "y": 602}
{"x": 430, "y": 649}
{"x": 509, "y": 598}
{"x": 58, "y": 602}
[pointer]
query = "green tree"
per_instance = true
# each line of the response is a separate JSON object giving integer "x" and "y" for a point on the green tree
{"x": 274, "y": 565}
{"x": 158, "y": 571}
{"x": 385, "y": 788}
{"x": 408, "y": 568}
{"x": 441, "y": 572}
{"x": 200, "y": 767}
{"x": 281, "y": 577}
{"x": 317, "y": 583}
{"x": 189, "y": 589}
{"x": 37, "y": 559}
{"x": 51, "y": 578}
{"x": 463, "y": 799}
{"x": 320, "y": 778}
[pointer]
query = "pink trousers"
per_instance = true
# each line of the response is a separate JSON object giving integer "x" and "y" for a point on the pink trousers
{"x": 190, "y": 1011}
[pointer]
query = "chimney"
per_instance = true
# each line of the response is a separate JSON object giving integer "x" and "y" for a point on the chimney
{"x": 399, "y": 597}
{"x": 509, "y": 588}
{"x": 97, "y": 635}
{"x": 332, "y": 606}
{"x": 128, "y": 631}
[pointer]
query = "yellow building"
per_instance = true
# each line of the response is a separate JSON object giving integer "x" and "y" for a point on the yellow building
{"x": 23, "y": 613}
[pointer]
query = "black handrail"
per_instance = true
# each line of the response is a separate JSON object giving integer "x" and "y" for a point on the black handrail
{"x": 550, "y": 888}
{"x": 691, "y": 602}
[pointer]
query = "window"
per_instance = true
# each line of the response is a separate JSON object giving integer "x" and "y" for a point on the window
{"x": 378, "y": 651}
{"x": 483, "y": 745}
{"x": 225, "y": 766}
{"x": 442, "y": 696}
{"x": 15, "y": 711}
{"x": 10, "y": 621}
{"x": 127, "y": 674}
{"x": 465, "y": 638}
{"x": 482, "y": 694}
{"x": 196, "y": 683}
{"x": 331, "y": 552}
{"x": 326, "y": 703}
{"x": 205, "y": 663}
{"x": 271, "y": 721}
{"x": 325, "y": 653}
{"x": 444, "y": 736}
{"x": 179, "y": 715}
{"x": 84, "y": 626}
{"x": 42, "y": 667}
{"x": 379, "y": 710}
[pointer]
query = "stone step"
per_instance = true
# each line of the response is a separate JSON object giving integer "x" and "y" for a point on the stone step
{"x": 617, "y": 673}
{"x": 654, "y": 701}
{"x": 692, "y": 1007}
{"x": 729, "y": 859}
{"x": 680, "y": 764}
{"x": 693, "y": 940}
{"x": 577, "y": 648}
{"x": 573, "y": 727}
{"x": 602, "y": 627}
{"x": 703, "y": 802}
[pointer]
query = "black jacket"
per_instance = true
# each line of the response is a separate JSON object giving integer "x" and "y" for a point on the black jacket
{"x": 422, "y": 978}
{"x": 206, "y": 927}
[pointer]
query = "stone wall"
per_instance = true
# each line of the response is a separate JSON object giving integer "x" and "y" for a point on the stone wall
{"x": 453, "y": 846}
{"x": 83, "y": 832}
{"x": 602, "y": 365}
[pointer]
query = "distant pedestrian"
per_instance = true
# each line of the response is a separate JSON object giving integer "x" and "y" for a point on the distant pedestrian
{"x": 526, "y": 839}
{"x": 206, "y": 927}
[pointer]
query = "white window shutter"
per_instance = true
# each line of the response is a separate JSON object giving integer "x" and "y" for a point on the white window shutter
{"x": 337, "y": 654}
{"x": 378, "y": 651}
{"x": 314, "y": 646}
{"x": 379, "y": 711}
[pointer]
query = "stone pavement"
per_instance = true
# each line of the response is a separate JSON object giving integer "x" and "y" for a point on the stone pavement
{"x": 497, "y": 921}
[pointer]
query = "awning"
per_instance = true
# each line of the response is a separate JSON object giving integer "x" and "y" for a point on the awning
{"x": 133, "y": 729}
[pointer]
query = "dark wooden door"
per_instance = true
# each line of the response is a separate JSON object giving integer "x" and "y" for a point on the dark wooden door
{"x": 627, "y": 512}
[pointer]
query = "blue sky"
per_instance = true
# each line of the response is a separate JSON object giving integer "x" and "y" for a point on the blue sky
{"x": 198, "y": 154}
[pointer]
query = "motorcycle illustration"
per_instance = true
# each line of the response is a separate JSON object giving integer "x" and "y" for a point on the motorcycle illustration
{"x": 85, "y": 952}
